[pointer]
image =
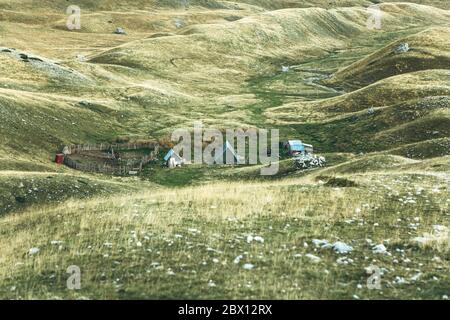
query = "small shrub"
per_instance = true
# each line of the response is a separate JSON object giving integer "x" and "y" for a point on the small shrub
{"x": 340, "y": 183}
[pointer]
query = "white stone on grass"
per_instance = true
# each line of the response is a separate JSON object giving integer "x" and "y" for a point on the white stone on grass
{"x": 248, "y": 266}
{"x": 237, "y": 259}
{"x": 33, "y": 251}
{"x": 313, "y": 258}
{"x": 342, "y": 247}
{"x": 379, "y": 248}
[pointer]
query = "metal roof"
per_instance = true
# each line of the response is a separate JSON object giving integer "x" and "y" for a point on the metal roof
{"x": 173, "y": 154}
{"x": 296, "y": 145}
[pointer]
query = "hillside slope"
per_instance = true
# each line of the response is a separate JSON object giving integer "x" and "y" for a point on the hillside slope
{"x": 311, "y": 69}
{"x": 206, "y": 249}
{"x": 429, "y": 49}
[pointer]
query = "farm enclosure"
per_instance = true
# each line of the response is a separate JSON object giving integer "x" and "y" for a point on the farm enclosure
{"x": 116, "y": 159}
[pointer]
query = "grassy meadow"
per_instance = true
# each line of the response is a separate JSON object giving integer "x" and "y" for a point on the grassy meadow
{"x": 380, "y": 118}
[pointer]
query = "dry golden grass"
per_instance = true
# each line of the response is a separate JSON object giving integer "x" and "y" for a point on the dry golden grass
{"x": 136, "y": 230}
{"x": 224, "y": 68}
{"x": 429, "y": 49}
{"x": 387, "y": 92}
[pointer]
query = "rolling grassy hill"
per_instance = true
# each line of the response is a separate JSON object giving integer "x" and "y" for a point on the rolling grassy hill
{"x": 381, "y": 119}
{"x": 140, "y": 247}
{"x": 429, "y": 49}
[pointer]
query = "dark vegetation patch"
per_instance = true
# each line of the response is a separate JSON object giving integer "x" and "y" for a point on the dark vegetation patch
{"x": 337, "y": 182}
{"x": 18, "y": 193}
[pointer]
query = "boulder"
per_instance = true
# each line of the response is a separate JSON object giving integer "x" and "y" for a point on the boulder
{"x": 401, "y": 48}
{"x": 120, "y": 31}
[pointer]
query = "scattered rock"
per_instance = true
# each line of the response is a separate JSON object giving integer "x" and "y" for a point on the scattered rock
{"x": 52, "y": 68}
{"x": 436, "y": 259}
{"x": 342, "y": 247}
{"x": 237, "y": 259}
{"x": 422, "y": 240}
{"x": 401, "y": 48}
{"x": 309, "y": 161}
{"x": 320, "y": 242}
{"x": 251, "y": 238}
{"x": 248, "y": 266}
{"x": 440, "y": 230}
{"x": 120, "y": 30}
{"x": 379, "y": 248}
{"x": 80, "y": 57}
{"x": 84, "y": 103}
{"x": 415, "y": 277}
{"x": 344, "y": 260}
{"x": 338, "y": 246}
{"x": 179, "y": 23}
{"x": 259, "y": 239}
{"x": 211, "y": 283}
{"x": 33, "y": 251}
{"x": 313, "y": 258}
{"x": 400, "y": 280}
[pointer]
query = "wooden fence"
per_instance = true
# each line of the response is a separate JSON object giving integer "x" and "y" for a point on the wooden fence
{"x": 73, "y": 149}
{"x": 130, "y": 167}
